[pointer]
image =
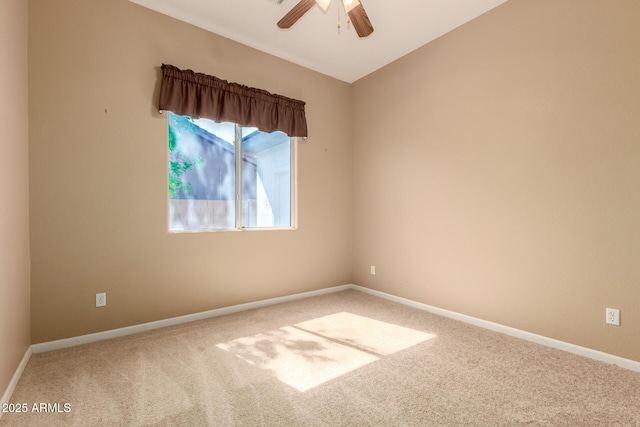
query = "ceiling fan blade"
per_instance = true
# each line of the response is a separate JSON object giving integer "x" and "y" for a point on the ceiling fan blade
{"x": 360, "y": 21}
{"x": 296, "y": 13}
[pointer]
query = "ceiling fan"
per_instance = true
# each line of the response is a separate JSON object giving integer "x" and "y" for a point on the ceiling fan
{"x": 353, "y": 8}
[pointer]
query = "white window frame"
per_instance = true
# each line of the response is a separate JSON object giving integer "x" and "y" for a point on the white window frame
{"x": 293, "y": 162}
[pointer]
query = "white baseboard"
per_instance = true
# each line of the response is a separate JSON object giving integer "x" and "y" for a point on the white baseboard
{"x": 14, "y": 380}
{"x": 528, "y": 336}
{"x": 113, "y": 333}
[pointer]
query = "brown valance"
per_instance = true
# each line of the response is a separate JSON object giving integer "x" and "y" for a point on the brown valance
{"x": 201, "y": 96}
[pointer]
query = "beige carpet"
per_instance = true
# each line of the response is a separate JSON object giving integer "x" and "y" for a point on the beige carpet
{"x": 344, "y": 359}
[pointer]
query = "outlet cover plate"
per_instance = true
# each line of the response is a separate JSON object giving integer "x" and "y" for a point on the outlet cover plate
{"x": 613, "y": 316}
{"x": 101, "y": 299}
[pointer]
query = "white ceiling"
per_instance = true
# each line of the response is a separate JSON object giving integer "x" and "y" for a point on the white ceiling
{"x": 401, "y": 26}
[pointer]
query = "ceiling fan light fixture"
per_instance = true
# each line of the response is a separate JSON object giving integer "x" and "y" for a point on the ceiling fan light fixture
{"x": 324, "y": 4}
{"x": 350, "y": 4}
{"x": 356, "y": 15}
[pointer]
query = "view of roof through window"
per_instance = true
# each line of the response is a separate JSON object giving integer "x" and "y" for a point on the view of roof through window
{"x": 202, "y": 176}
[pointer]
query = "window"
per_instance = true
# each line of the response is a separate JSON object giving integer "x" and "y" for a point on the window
{"x": 224, "y": 173}
{"x": 224, "y": 176}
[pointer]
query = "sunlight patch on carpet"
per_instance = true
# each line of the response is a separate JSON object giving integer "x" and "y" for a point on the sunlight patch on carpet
{"x": 311, "y": 353}
{"x": 368, "y": 334}
{"x": 299, "y": 359}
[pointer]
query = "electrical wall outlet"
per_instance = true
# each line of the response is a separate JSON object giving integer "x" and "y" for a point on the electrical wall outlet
{"x": 613, "y": 316}
{"x": 101, "y": 299}
{"x": 373, "y": 270}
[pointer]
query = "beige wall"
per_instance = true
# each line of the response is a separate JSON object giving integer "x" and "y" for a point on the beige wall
{"x": 99, "y": 175}
{"x": 497, "y": 172}
{"x": 14, "y": 188}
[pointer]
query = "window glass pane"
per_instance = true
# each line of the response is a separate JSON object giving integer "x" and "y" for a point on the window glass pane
{"x": 266, "y": 179}
{"x": 201, "y": 174}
